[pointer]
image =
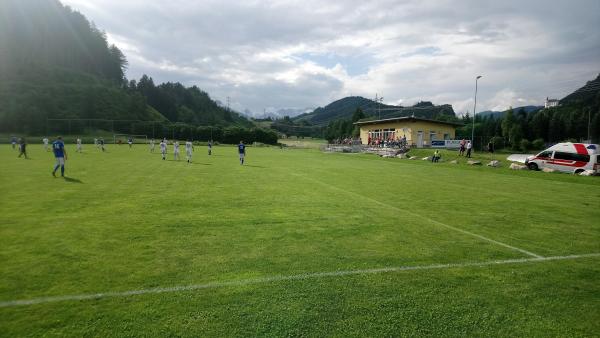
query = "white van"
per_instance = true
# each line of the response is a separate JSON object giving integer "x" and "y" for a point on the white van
{"x": 567, "y": 157}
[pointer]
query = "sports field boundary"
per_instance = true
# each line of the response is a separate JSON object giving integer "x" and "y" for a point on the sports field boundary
{"x": 472, "y": 234}
{"x": 283, "y": 278}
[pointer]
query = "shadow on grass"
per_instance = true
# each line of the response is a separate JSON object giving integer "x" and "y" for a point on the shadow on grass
{"x": 72, "y": 180}
{"x": 254, "y": 166}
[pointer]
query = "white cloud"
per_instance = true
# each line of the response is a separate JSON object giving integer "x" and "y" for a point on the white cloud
{"x": 307, "y": 53}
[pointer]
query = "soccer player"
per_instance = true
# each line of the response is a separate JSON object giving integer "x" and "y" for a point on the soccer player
{"x": 209, "y": 147}
{"x": 13, "y": 141}
{"x": 96, "y": 142}
{"x": 60, "y": 153}
{"x": 79, "y": 145}
{"x": 242, "y": 151}
{"x": 163, "y": 149}
{"x": 45, "y": 140}
{"x": 176, "y": 150}
{"x": 101, "y": 143}
{"x": 130, "y": 141}
{"x": 189, "y": 148}
{"x": 151, "y": 145}
{"x": 22, "y": 147}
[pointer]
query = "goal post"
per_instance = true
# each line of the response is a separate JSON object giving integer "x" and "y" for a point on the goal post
{"x": 123, "y": 138}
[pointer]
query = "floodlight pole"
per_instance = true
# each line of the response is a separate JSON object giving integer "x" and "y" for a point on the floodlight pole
{"x": 474, "y": 112}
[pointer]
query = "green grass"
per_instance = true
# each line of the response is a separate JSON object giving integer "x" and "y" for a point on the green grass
{"x": 126, "y": 220}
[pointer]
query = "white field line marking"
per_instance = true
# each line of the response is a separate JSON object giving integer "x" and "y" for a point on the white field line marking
{"x": 529, "y": 253}
{"x": 274, "y": 279}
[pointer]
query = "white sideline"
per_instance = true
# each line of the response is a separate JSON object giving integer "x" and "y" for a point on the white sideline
{"x": 273, "y": 279}
{"x": 528, "y": 253}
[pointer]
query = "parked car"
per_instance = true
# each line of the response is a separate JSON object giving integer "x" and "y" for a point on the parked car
{"x": 567, "y": 157}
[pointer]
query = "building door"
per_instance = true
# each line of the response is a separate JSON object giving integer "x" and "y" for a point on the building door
{"x": 419, "y": 139}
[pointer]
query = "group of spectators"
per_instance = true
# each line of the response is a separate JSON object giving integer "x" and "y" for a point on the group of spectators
{"x": 399, "y": 142}
{"x": 465, "y": 145}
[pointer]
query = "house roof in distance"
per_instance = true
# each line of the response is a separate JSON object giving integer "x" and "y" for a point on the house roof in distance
{"x": 406, "y": 119}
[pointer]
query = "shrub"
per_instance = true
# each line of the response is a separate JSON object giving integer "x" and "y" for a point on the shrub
{"x": 498, "y": 142}
{"x": 525, "y": 144}
{"x": 538, "y": 144}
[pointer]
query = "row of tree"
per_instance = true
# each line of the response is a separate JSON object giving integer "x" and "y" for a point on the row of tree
{"x": 185, "y": 104}
{"x": 344, "y": 128}
{"x": 229, "y": 135}
{"x": 159, "y": 130}
{"x": 518, "y": 130}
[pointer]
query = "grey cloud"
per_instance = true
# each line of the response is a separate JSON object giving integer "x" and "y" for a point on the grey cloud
{"x": 419, "y": 48}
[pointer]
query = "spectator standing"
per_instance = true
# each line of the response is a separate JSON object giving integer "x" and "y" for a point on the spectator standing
{"x": 469, "y": 146}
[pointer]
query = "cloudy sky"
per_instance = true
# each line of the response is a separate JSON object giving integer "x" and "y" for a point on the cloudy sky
{"x": 305, "y": 53}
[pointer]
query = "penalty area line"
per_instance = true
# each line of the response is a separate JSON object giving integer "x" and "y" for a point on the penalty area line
{"x": 472, "y": 234}
{"x": 281, "y": 278}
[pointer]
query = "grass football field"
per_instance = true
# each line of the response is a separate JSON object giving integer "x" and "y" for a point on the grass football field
{"x": 294, "y": 243}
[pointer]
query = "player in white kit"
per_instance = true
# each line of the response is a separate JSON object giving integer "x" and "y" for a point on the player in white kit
{"x": 176, "y": 150}
{"x": 79, "y": 145}
{"x": 189, "y": 148}
{"x": 45, "y": 140}
{"x": 152, "y": 145}
{"x": 163, "y": 149}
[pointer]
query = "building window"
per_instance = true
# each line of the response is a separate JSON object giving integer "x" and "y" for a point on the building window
{"x": 446, "y": 136}
{"x": 375, "y": 134}
{"x": 389, "y": 134}
{"x": 432, "y": 135}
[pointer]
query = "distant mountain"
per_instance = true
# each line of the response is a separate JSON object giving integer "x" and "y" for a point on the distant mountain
{"x": 500, "y": 114}
{"x": 276, "y": 114}
{"x": 344, "y": 108}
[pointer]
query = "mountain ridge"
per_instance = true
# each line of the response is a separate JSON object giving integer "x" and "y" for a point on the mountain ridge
{"x": 345, "y": 107}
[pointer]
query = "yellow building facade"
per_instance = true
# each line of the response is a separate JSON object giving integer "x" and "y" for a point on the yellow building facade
{"x": 419, "y": 132}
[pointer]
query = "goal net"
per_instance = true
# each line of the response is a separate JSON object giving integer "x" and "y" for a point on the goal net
{"x": 124, "y": 138}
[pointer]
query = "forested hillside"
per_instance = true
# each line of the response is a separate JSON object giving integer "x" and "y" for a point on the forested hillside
{"x": 188, "y": 105}
{"x": 54, "y": 63}
{"x": 344, "y": 108}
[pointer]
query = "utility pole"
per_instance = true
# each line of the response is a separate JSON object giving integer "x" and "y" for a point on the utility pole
{"x": 474, "y": 112}
{"x": 376, "y": 106}
{"x": 378, "y": 100}
{"x": 228, "y": 103}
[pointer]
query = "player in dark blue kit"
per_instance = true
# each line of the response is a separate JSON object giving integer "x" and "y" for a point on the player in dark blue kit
{"x": 60, "y": 153}
{"x": 242, "y": 151}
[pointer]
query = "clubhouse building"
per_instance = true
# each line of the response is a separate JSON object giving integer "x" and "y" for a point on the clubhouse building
{"x": 419, "y": 132}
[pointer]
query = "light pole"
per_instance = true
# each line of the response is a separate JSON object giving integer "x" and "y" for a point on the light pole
{"x": 474, "y": 112}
